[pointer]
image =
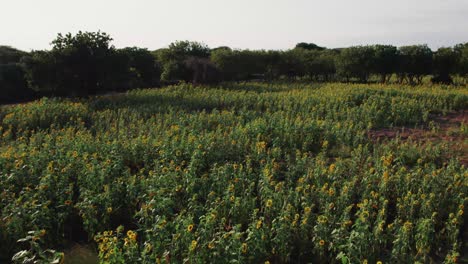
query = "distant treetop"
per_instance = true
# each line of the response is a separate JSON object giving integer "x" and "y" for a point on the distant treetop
{"x": 10, "y": 55}
{"x": 309, "y": 46}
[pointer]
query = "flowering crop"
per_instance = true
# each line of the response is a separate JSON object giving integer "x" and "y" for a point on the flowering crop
{"x": 251, "y": 174}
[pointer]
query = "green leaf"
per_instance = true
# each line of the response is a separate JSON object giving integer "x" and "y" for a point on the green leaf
{"x": 20, "y": 255}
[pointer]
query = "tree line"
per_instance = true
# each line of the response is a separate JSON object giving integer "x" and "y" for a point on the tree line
{"x": 87, "y": 63}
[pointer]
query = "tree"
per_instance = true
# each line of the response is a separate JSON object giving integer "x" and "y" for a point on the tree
{"x": 272, "y": 60}
{"x": 385, "y": 61}
{"x": 319, "y": 65}
{"x": 173, "y": 59}
{"x": 176, "y": 71}
{"x": 144, "y": 70}
{"x": 13, "y": 86}
{"x": 185, "y": 49}
{"x": 355, "y": 62}
{"x": 462, "y": 60}
{"x": 414, "y": 63}
{"x": 237, "y": 65}
{"x": 293, "y": 63}
{"x": 41, "y": 71}
{"x": 221, "y": 48}
{"x": 203, "y": 71}
{"x": 445, "y": 64}
{"x": 79, "y": 64}
{"x": 309, "y": 46}
{"x": 228, "y": 62}
{"x": 10, "y": 55}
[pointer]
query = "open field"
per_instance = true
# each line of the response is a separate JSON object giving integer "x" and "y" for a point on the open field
{"x": 248, "y": 173}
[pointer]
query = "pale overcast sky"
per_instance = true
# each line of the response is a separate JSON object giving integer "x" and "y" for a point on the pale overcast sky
{"x": 253, "y": 24}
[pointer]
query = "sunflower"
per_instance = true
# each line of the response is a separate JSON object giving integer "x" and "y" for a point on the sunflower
{"x": 322, "y": 243}
{"x": 244, "y": 248}
{"x": 385, "y": 176}
{"x": 259, "y": 224}
{"x": 211, "y": 245}
{"x": 190, "y": 228}
{"x": 148, "y": 247}
{"x": 193, "y": 245}
{"x": 407, "y": 226}
{"x": 131, "y": 235}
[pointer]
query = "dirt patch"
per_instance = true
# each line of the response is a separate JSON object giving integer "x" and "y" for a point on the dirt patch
{"x": 450, "y": 128}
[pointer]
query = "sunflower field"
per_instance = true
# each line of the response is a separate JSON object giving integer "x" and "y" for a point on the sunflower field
{"x": 239, "y": 173}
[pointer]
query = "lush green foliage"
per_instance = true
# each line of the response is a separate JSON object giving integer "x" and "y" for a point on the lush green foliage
{"x": 415, "y": 63}
{"x": 356, "y": 62}
{"x": 309, "y": 46}
{"x": 86, "y": 64}
{"x": 385, "y": 61}
{"x": 143, "y": 67}
{"x": 12, "y": 82}
{"x": 462, "y": 52}
{"x": 13, "y": 86}
{"x": 249, "y": 174}
{"x": 183, "y": 60}
{"x": 10, "y": 55}
{"x": 445, "y": 65}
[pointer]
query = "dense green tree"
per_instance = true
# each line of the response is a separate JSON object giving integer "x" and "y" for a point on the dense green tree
{"x": 87, "y": 63}
{"x": 185, "y": 49}
{"x": 297, "y": 63}
{"x": 222, "y": 48}
{"x": 182, "y": 50}
{"x": 144, "y": 69}
{"x": 228, "y": 62}
{"x": 202, "y": 70}
{"x": 445, "y": 64}
{"x": 309, "y": 46}
{"x": 462, "y": 60}
{"x": 293, "y": 63}
{"x": 13, "y": 86}
{"x": 174, "y": 59}
{"x": 79, "y": 64}
{"x": 319, "y": 65}
{"x": 175, "y": 71}
{"x": 41, "y": 71}
{"x": 327, "y": 67}
{"x": 415, "y": 62}
{"x": 10, "y": 55}
{"x": 271, "y": 60}
{"x": 385, "y": 61}
{"x": 237, "y": 65}
{"x": 355, "y": 62}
